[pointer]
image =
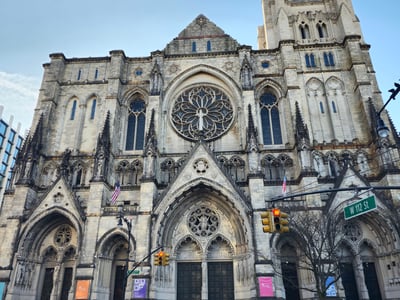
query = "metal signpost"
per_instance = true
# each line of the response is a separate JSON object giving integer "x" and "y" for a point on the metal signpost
{"x": 360, "y": 207}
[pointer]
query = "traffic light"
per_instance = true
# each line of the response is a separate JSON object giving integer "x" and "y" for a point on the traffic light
{"x": 281, "y": 221}
{"x": 165, "y": 259}
{"x": 267, "y": 221}
{"x": 158, "y": 258}
{"x": 284, "y": 222}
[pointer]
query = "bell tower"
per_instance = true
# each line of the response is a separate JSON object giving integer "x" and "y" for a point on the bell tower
{"x": 306, "y": 22}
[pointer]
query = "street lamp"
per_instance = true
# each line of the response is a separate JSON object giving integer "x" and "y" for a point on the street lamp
{"x": 381, "y": 128}
{"x": 122, "y": 219}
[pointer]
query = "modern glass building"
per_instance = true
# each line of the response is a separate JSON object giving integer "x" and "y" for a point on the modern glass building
{"x": 10, "y": 145}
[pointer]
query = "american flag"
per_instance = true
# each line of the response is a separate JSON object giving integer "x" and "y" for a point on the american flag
{"x": 284, "y": 186}
{"x": 116, "y": 193}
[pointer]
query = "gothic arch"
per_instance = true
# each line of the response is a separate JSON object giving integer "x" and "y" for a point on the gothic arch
{"x": 218, "y": 241}
{"x": 49, "y": 218}
{"x": 90, "y": 97}
{"x": 188, "y": 248}
{"x": 113, "y": 239}
{"x": 188, "y": 198}
{"x": 271, "y": 86}
{"x": 111, "y": 259}
{"x": 207, "y": 75}
{"x": 334, "y": 83}
{"x": 79, "y": 173}
{"x": 134, "y": 93}
{"x": 314, "y": 84}
{"x": 49, "y": 174}
{"x": 46, "y": 252}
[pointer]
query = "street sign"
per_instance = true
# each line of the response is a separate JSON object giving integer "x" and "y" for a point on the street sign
{"x": 360, "y": 207}
{"x": 134, "y": 272}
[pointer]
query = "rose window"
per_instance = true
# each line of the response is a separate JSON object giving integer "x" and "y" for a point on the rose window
{"x": 202, "y": 112}
{"x": 203, "y": 221}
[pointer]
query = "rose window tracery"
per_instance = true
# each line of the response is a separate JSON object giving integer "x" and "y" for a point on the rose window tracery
{"x": 202, "y": 111}
{"x": 203, "y": 221}
{"x": 63, "y": 236}
{"x": 352, "y": 231}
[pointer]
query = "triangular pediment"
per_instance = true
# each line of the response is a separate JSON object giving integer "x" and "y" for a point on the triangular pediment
{"x": 58, "y": 197}
{"x": 201, "y": 36}
{"x": 350, "y": 187}
{"x": 202, "y": 169}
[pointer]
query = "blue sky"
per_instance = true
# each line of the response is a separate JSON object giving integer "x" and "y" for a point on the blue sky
{"x": 31, "y": 30}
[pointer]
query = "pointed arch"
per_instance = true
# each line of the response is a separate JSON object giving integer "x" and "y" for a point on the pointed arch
{"x": 268, "y": 96}
{"x": 46, "y": 251}
{"x": 219, "y": 248}
{"x": 188, "y": 248}
{"x": 79, "y": 172}
{"x": 112, "y": 256}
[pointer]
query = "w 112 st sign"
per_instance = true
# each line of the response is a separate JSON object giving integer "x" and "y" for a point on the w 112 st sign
{"x": 360, "y": 207}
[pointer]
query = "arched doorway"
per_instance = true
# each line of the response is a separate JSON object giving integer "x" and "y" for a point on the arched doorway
{"x": 46, "y": 260}
{"x": 209, "y": 246}
{"x": 199, "y": 273}
{"x": 112, "y": 261}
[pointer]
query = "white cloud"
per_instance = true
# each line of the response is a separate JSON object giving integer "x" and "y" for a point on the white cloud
{"x": 18, "y": 95}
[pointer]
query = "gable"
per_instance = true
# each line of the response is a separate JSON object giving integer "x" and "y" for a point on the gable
{"x": 201, "y": 36}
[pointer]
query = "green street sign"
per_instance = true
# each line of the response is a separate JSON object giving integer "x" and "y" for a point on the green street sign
{"x": 134, "y": 272}
{"x": 360, "y": 207}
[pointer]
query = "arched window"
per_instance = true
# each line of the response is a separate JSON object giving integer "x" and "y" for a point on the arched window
{"x": 79, "y": 74}
{"x": 328, "y": 59}
{"x": 322, "y": 32}
{"x": 321, "y": 107}
{"x": 208, "y": 46}
{"x": 136, "y": 123}
{"x": 96, "y": 73}
{"x": 73, "y": 110}
{"x": 304, "y": 31}
{"x": 310, "y": 61}
{"x": 334, "y": 107}
{"x": 93, "y": 109}
{"x": 271, "y": 125}
{"x": 194, "y": 47}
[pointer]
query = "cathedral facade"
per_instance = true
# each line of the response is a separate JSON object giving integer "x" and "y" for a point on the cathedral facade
{"x": 183, "y": 150}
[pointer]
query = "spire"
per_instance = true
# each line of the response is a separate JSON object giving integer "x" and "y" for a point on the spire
{"x": 104, "y": 140}
{"x": 373, "y": 116}
{"x": 302, "y": 136}
{"x": 246, "y": 74}
{"x": 252, "y": 140}
{"x": 155, "y": 80}
{"x": 150, "y": 151}
{"x": 29, "y": 155}
{"x": 151, "y": 140}
{"x": 102, "y": 151}
{"x": 394, "y": 131}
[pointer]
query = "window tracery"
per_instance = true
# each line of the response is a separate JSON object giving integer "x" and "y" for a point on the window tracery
{"x": 276, "y": 168}
{"x": 237, "y": 168}
{"x": 168, "y": 170}
{"x": 203, "y": 221}
{"x": 136, "y": 125}
{"x": 270, "y": 120}
{"x": 63, "y": 236}
{"x": 202, "y": 112}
